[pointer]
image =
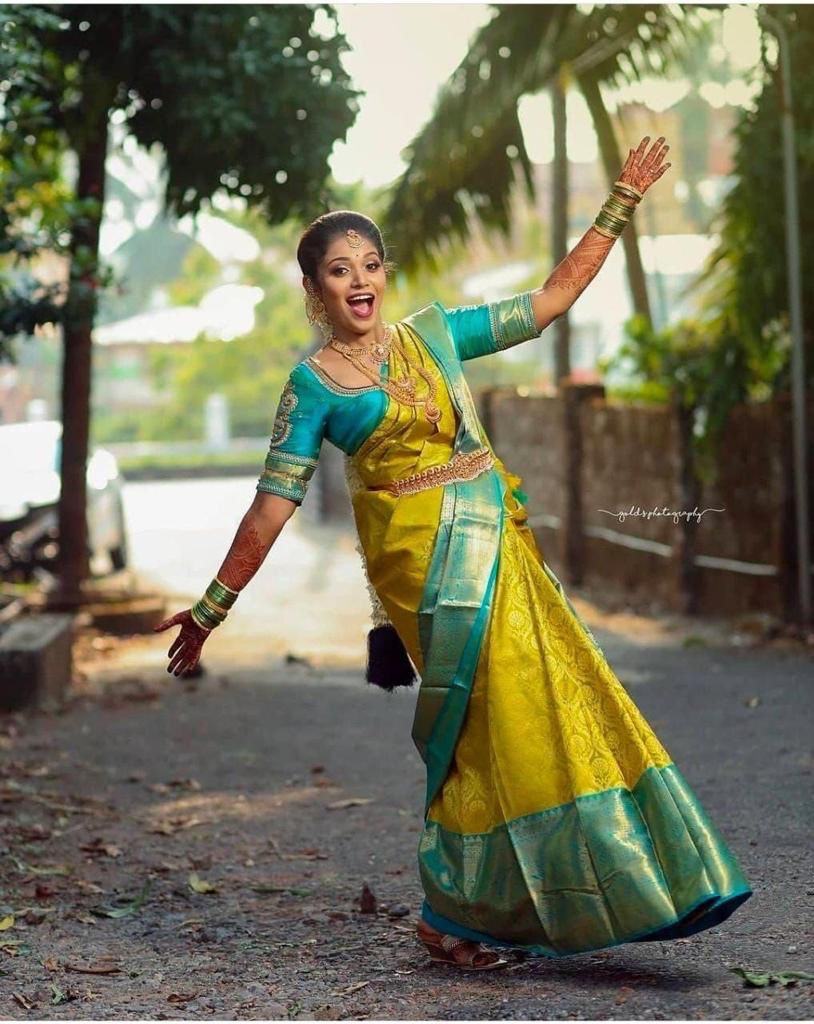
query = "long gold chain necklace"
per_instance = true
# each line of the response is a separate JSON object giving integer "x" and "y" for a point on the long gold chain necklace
{"x": 368, "y": 359}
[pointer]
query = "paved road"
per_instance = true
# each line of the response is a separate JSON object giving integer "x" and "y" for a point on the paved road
{"x": 268, "y": 748}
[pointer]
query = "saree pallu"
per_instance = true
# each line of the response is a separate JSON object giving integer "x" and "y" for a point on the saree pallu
{"x": 554, "y": 820}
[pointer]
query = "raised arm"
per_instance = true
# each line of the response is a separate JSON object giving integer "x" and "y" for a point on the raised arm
{"x": 571, "y": 277}
{"x": 294, "y": 447}
{"x": 480, "y": 330}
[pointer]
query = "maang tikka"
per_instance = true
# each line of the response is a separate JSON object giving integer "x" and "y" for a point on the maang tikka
{"x": 317, "y": 314}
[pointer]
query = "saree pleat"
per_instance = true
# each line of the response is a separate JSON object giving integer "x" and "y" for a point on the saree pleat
{"x": 555, "y": 820}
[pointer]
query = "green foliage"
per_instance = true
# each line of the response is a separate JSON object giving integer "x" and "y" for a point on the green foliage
{"x": 200, "y": 272}
{"x": 739, "y": 347}
{"x": 744, "y": 286}
{"x": 244, "y": 99}
{"x": 686, "y": 364}
{"x": 465, "y": 161}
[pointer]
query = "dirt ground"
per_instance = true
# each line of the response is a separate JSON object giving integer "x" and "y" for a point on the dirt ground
{"x": 243, "y": 845}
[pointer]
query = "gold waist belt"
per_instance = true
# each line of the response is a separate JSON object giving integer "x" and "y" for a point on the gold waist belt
{"x": 462, "y": 466}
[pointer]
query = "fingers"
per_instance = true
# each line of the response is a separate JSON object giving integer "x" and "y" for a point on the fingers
{"x": 186, "y": 659}
{"x": 172, "y": 621}
{"x": 177, "y": 663}
{"x": 176, "y": 644}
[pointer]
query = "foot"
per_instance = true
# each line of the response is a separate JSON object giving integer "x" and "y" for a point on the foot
{"x": 452, "y": 949}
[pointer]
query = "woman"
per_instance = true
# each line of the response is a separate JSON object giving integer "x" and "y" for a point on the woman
{"x": 555, "y": 821}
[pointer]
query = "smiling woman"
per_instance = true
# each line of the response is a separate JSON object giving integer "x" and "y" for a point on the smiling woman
{"x": 555, "y": 821}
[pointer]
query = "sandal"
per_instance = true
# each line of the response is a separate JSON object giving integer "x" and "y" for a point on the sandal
{"x": 460, "y": 952}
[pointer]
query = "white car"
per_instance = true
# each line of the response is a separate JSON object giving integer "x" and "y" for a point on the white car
{"x": 30, "y": 486}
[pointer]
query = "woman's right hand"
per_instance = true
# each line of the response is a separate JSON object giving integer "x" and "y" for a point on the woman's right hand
{"x": 185, "y": 650}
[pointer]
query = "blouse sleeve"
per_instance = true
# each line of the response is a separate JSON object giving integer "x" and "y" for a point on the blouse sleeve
{"x": 296, "y": 439}
{"x": 492, "y": 326}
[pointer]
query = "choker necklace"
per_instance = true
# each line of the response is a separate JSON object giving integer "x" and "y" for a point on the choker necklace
{"x": 371, "y": 356}
{"x": 368, "y": 359}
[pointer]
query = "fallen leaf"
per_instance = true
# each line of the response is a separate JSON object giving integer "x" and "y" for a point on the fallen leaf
{"x": 59, "y": 995}
{"x": 198, "y": 884}
{"x": 99, "y": 846}
{"x": 355, "y": 987}
{"x": 93, "y": 968}
{"x": 354, "y": 801}
{"x": 42, "y": 869}
{"x": 280, "y": 888}
{"x": 181, "y": 997}
{"x": 11, "y": 946}
{"x": 760, "y": 979}
{"x": 191, "y": 922}
{"x": 6, "y": 922}
{"x": 192, "y": 784}
{"x": 18, "y": 997}
{"x": 129, "y": 908}
{"x": 173, "y": 825}
{"x": 88, "y": 886}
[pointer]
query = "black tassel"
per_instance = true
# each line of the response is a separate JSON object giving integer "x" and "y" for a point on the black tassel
{"x": 388, "y": 664}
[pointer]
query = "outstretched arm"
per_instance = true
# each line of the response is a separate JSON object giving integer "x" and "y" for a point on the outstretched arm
{"x": 571, "y": 277}
{"x": 258, "y": 530}
{"x": 290, "y": 463}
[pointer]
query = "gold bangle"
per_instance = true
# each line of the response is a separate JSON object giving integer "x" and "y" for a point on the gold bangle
{"x": 623, "y": 209}
{"x": 623, "y": 200}
{"x": 602, "y": 231}
{"x": 609, "y": 221}
{"x": 623, "y": 185}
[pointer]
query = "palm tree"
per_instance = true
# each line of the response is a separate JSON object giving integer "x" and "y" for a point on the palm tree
{"x": 470, "y": 154}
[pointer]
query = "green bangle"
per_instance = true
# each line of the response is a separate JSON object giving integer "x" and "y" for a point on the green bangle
{"x": 199, "y": 619}
{"x": 221, "y": 594}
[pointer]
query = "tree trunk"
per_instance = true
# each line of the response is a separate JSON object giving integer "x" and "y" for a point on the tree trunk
{"x": 559, "y": 220}
{"x": 77, "y": 361}
{"x": 613, "y": 161}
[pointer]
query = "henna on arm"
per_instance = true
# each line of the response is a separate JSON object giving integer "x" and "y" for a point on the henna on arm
{"x": 570, "y": 278}
{"x": 252, "y": 543}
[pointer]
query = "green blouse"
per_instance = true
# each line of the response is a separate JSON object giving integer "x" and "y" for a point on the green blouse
{"x": 313, "y": 407}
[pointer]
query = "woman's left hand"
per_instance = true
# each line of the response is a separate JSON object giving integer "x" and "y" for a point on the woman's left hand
{"x": 642, "y": 169}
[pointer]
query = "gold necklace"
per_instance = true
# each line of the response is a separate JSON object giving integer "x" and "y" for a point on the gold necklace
{"x": 371, "y": 356}
{"x": 368, "y": 358}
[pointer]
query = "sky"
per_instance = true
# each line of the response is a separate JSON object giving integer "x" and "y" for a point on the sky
{"x": 401, "y": 54}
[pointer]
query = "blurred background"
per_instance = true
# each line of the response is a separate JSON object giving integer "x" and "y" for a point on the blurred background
{"x": 158, "y": 164}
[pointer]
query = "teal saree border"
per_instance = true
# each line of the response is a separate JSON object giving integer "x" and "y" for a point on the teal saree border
{"x": 606, "y": 868}
{"x": 454, "y": 609}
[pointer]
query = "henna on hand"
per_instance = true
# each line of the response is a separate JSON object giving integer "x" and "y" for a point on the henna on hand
{"x": 641, "y": 170}
{"x": 185, "y": 650}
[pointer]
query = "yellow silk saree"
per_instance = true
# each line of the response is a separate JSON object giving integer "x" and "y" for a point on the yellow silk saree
{"x": 555, "y": 820}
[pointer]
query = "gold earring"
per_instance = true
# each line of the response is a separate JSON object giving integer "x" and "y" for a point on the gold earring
{"x": 316, "y": 313}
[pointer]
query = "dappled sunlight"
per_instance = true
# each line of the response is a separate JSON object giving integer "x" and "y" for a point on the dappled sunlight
{"x": 223, "y": 805}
